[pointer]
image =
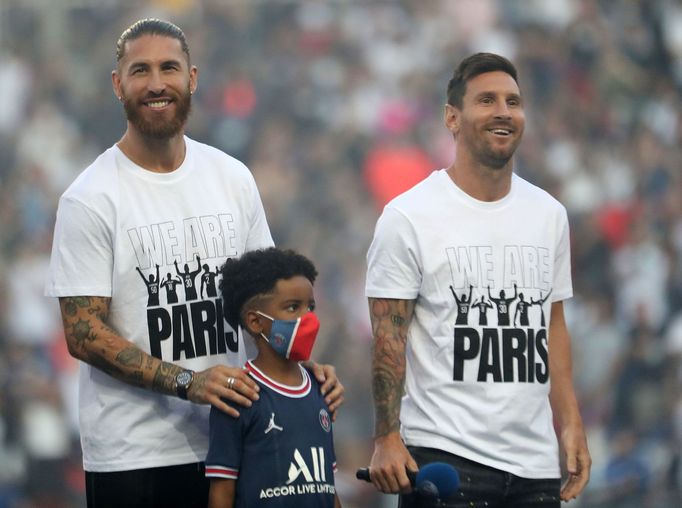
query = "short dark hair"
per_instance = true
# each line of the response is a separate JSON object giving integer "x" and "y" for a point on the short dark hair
{"x": 472, "y": 66}
{"x": 150, "y": 26}
{"x": 256, "y": 273}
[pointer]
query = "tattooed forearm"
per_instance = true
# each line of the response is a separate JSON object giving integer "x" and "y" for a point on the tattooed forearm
{"x": 81, "y": 331}
{"x": 93, "y": 341}
{"x": 99, "y": 361}
{"x": 397, "y": 320}
{"x": 390, "y": 322}
{"x": 130, "y": 357}
{"x": 136, "y": 378}
{"x": 386, "y": 403}
{"x": 164, "y": 377}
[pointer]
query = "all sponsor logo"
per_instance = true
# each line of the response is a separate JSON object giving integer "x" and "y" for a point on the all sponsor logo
{"x": 304, "y": 477}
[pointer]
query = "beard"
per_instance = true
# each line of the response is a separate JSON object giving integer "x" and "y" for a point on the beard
{"x": 494, "y": 159}
{"x": 159, "y": 129}
{"x": 486, "y": 154}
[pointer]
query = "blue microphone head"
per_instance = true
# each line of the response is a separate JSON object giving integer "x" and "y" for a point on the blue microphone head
{"x": 437, "y": 479}
{"x": 427, "y": 489}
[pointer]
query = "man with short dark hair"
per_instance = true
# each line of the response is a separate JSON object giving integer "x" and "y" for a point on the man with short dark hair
{"x": 479, "y": 395}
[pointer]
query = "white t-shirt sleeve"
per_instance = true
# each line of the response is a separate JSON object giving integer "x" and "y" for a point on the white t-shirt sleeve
{"x": 393, "y": 260}
{"x": 563, "y": 286}
{"x": 81, "y": 263}
{"x": 259, "y": 234}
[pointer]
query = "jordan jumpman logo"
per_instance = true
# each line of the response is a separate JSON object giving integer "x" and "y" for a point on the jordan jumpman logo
{"x": 272, "y": 425}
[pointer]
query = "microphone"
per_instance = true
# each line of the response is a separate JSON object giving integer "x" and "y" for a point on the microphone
{"x": 436, "y": 480}
{"x": 363, "y": 474}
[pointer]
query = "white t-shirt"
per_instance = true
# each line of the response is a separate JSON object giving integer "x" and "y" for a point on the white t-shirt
{"x": 473, "y": 386}
{"x": 115, "y": 224}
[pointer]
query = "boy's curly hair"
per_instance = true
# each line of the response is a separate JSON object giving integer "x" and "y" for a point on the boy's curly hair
{"x": 257, "y": 273}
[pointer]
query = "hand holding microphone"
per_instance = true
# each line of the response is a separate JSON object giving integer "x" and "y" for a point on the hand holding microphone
{"x": 435, "y": 481}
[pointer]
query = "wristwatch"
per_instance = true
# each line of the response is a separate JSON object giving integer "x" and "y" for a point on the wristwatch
{"x": 183, "y": 380}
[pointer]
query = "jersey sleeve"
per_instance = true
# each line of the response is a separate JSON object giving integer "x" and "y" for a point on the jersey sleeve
{"x": 225, "y": 444}
{"x": 562, "y": 284}
{"x": 332, "y": 453}
{"x": 393, "y": 260}
{"x": 82, "y": 255}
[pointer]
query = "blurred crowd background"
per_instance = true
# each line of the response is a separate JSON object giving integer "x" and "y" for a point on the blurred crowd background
{"x": 336, "y": 106}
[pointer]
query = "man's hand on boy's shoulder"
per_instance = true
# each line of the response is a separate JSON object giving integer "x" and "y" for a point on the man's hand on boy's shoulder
{"x": 331, "y": 388}
{"x": 212, "y": 385}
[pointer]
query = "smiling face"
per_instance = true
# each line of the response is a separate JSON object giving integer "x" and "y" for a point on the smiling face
{"x": 154, "y": 81}
{"x": 490, "y": 123}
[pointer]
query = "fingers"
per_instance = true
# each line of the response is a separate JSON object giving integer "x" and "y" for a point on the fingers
{"x": 579, "y": 474}
{"x": 571, "y": 462}
{"x": 412, "y": 465}
{"x": 389, "y": 464}
{"x": 572, "y": 487}
{"x": 326, "y": 375}
{"x": 334, "y": 406}
{"x": 392, "y": 479}
{"x": 221, "y": 385}
{"x": 334, "y": 399}
{"x": 578, "y": 461}
{"x": 331, "y": 388}
{"x": 242, "y": 384}
{"x": 236, "y": 394}
{"x": 226, "y": 408}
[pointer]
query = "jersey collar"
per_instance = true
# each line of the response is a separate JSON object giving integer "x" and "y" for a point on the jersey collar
{"x": 289, "y": 391}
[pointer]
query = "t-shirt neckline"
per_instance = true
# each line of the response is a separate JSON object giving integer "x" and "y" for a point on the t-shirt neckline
{"x": 457, "y": 192}
{"x": 170, "y": 177}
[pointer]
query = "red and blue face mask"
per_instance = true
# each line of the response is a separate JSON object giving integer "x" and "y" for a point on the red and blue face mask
{"x": 293, "y": 339}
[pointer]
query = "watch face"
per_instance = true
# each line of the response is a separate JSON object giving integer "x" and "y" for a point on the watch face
{"x": 184, "y": 378}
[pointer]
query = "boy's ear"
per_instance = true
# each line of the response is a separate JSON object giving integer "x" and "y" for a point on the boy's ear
{"x": 253, "y": 322}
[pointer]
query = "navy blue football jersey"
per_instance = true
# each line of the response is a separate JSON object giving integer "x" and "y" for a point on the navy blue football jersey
{"x": 280, "y": 450}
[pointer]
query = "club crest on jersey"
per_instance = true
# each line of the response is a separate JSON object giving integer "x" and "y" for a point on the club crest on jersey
{"x": 325, "y": 421}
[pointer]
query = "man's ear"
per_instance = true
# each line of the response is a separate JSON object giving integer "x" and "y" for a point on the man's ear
{"x": 193, "y": 79}
{"x": 451, "y": 118}
{"x": 116, "y": 84}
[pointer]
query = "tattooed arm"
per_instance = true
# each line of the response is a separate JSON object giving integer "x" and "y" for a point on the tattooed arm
{"x": 91, "y": 340}
{"x": 390, "y": 322}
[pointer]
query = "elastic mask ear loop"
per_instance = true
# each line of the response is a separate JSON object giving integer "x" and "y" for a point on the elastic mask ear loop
{"x": 268, "y": 317}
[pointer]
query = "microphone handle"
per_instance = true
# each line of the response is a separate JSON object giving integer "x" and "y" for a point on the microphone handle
{"x": 363, "y": 474}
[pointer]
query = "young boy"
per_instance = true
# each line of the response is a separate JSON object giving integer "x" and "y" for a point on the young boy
{"x": 280, "y": 451}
